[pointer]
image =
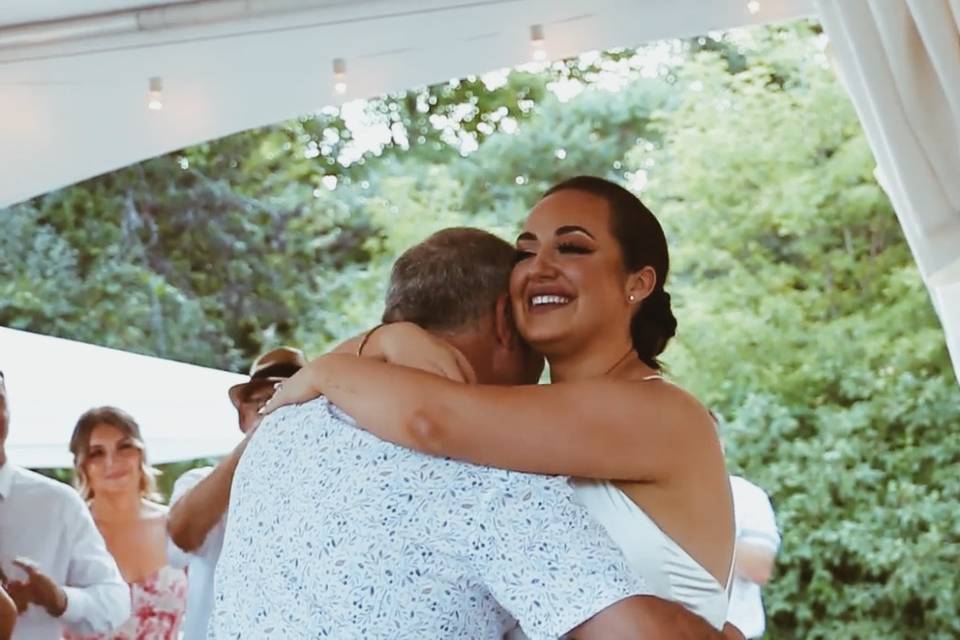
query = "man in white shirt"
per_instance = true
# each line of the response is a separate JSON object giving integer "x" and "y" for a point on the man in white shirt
{"x": 757, "y": 543}
{"x": 195, "y": 523}
{"x": 55, "y": 565}
{"x": 334, "y": 533}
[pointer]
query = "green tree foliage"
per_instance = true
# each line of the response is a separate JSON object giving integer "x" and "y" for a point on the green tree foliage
{"x": 803, "y": 320}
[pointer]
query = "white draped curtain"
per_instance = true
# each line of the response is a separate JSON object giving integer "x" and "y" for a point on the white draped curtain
{"x": 900, "y": 62}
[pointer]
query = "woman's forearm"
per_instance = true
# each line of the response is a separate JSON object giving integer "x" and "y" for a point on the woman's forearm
{"x": 602, "y": 429}
{"x": 386, "y": 400}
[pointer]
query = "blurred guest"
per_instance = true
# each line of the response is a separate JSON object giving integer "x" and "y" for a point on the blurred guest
{"x": 112, "y": 475}
{"x": 59, "y": 571}
{"x": 757, "y": 543}
{"x": 200, "y": 496}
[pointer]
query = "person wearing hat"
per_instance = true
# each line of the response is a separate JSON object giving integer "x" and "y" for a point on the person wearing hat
{"x": 195, "y": 523}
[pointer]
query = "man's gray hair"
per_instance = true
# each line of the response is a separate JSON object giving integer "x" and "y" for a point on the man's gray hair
{"x": 450, "y": 280}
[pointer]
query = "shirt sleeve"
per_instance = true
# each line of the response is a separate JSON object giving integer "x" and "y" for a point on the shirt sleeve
{"x": 756, "y": 522}
{"x": 544, "y": 558}
{"x": 176, "y": 556}
{"x": 98, "y": 600}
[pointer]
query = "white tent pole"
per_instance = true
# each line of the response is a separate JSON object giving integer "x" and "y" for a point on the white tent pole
{"x": 153, "y": 18}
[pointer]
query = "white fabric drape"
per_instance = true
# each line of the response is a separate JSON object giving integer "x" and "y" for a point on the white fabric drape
{"x": 900, "y": 62}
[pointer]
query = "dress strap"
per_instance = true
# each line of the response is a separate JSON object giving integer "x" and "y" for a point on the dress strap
{"x": 730, "y": 574}
{"x": 655, "y": 376}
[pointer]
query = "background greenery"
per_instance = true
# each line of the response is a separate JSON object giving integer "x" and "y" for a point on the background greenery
{"x": 803, "y": 320}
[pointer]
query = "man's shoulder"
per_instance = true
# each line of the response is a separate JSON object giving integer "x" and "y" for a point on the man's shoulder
{"x": 188, "y": 480}
{"x": 51, "y": 493}
{"x": 318, "y": 410}
{"x": 37, "y": 482}
{"x": 743, "y": 489}
{"x": 317, "y": 438}
{"x": 295, "y": 441}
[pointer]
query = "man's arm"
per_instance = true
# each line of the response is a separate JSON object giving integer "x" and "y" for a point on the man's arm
{"x": 731, "y": 632}
{"x": 754, "y": 561}
{"x": 98, "y": 600}
{"x": 757, "y": 537}
{"x": 645, "y": 618}
{"x": 197, "y": 509}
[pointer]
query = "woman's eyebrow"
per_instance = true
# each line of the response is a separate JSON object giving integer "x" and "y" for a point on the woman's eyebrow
{"x": 573, "y": 229}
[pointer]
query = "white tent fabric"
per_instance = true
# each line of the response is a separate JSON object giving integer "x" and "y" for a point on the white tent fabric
{"x": 182, "y": 409}
{"x": 74, "y": 78}
{"x": 74, "y": 75}
{"x": 900, "y": 61}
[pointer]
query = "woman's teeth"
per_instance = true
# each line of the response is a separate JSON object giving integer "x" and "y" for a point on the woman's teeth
{"x": 540, "y": 300}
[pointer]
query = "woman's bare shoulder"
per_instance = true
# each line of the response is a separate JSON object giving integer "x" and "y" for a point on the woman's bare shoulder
{"x": 644, "y": 388}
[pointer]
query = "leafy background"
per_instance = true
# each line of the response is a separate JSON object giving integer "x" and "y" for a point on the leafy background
{"x": 803, "y": 319}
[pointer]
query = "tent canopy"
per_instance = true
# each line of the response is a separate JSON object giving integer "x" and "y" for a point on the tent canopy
{"x": 74, "y": 76}
{"x": 74, "y": 81}
{"x": 183, "y": 410}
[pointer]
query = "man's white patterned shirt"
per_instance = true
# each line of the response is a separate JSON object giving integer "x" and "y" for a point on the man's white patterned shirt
{"x": 333, "y": 533}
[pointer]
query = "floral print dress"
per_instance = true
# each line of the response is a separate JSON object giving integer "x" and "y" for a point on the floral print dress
{"x": 157, "y": 604}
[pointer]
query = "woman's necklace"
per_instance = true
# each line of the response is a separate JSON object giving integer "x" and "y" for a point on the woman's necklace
{"x": 619, "y": 362}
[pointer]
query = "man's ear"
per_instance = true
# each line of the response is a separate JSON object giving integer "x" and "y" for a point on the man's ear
{"x": 503, "y": 324}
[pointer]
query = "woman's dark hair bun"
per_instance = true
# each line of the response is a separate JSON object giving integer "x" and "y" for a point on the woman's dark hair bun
{"x": 653, "y": 326}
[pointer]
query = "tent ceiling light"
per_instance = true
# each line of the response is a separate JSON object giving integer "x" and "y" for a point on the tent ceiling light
{"x": 339, "y": 76}
{"x": 538, "y": 42}
{"x": 155, "y": 94}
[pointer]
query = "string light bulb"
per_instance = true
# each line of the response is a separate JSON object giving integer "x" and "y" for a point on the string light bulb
{"x": 339, "y": 76}
{"x": 753, "y": 7}
{"x": 537, "y": 43}
{"x": 155, "y": 94}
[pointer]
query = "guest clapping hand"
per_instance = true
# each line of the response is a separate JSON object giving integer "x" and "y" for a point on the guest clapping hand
{"x": 37, "y": 588}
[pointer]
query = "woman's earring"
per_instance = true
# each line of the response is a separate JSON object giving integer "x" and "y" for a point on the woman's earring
{"x": 632, "y": 298}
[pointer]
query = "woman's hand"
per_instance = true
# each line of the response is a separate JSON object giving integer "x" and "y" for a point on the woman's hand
{"x": 400, "y": 343}
{"x": 406, "y": 344}
{"x": 297, "y": 389}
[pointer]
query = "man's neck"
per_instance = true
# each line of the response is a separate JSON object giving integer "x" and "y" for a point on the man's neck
{"x": 475, "y": 346}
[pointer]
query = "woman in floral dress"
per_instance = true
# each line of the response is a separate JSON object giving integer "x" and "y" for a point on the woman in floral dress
{"x": 112, "y": 474}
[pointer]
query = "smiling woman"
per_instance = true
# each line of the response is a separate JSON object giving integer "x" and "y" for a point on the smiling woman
{"x": 108, "y": 452}
{"x": 113, "y": 476}
{"x": 592, "y": 248}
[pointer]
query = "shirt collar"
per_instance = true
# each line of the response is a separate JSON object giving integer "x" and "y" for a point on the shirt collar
{"x": 6, "y": 479}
